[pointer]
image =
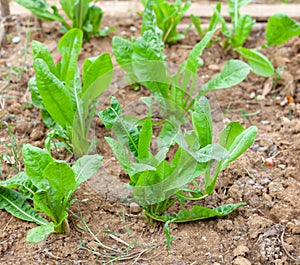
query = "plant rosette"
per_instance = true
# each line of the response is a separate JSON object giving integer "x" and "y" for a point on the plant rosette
{"x": 180, "y": 163}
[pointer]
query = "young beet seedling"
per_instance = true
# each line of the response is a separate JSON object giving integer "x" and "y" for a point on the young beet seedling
{"x": 67, "y": 102}
{"x": 145, "y": 63}
{"x": 84, "y": 15}
{"x": 49, "y": 183}
{"x": 168, "y": 16}
{"x": 236, "y": 37}
{"x": 158, "y": 179}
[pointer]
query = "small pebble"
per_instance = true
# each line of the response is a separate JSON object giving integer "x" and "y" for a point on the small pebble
{"x": 16, "y": 39}
{"x": 241, "y": 250}
{"x": 36, "y": 134}
{"x": 252, "y": 95}
{"x": 133, "y": 29}
{"x": 135, "y": 208}
{"x": 281, "y": 166}
{"x": 241, "y": 261}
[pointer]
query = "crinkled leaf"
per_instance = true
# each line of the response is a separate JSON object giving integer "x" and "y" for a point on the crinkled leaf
{"x": 281, "y": 28}
{"x": 123, "y": 50}
{"x": 199, "y": 212}
{"x": 210, "y": 152}
{"x": 234, "y": 72}
{"x": 61, "y": 178}
{"x": 112, "y": 114}
{"x": 39, "y": 233}
{"x": 35, "y": 161}
{"x": 15, "y": 181}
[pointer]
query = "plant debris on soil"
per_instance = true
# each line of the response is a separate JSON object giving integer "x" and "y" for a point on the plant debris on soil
{"x": 107, "y": 228}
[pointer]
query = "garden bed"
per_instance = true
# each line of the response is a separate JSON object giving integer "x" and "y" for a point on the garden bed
{"x": 265, "y": 231}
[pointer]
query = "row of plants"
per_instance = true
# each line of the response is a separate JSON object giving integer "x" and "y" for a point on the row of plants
{"x": 180, "y": 163}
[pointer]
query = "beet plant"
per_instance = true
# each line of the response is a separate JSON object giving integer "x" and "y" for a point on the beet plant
{"x": 159, "y": 179}
{"x": 145, "y": 63}
{"x": 84, "y": 14}
{"x": 168, "y": 16}
{"x": 67, "y": 101}
{"x": 49, "y": 184}
{"x": 280, "y": 28}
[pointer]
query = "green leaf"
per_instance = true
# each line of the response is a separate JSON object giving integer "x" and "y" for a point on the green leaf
{"x": 35, "y": 94}
{"x": 145, "y": 138}
{"x": 124, "y": 160}
{"x": 166, "y": 138}
{"x": 241, "y": 143}
{"x": 40, "y": 10}
{"x": 85, "y": 167}
{"x": 229, "y": 133}
{"x": 281, "y": 28}
{"x": 112, "y": 114}
{"x": 190, "y": 66}
{"x": 259, "y": 63}
{"x": 14, "y": 203}
{"x": 197, "y": 24}
{"x": 225, "y": 29}
{"x": 122, "y": 50}
{"x": 199, "y": 212}
{"x": 192, "y": 62}
{"x": 40, "y": 51}
{"x": 126, "y": 131}
{"x": 39, "y": 233}
{"x": 35, "y": 161}
{"x": 202, "y": 122}
{"x": 97, "y": 74}
{"x": 235, "y": 5}
{"x": 61, "y": 178}
{"x": 234, "y": 72}
{"x": 15, "y": 181}
{"x": 56, "y": 97}
{"x": 94, "y": 18}
{"x": 69, "y": 47}
{"x": 213, "y": 23}
{"x": 43, "y": 203}
{"x": 168, "y": 16}
{"x": 68, "y": 7}
{"x": 210, "y": 152}
{"x": 242, "y": 31}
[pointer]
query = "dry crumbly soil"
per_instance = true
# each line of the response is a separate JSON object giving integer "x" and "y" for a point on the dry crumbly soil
{"x": 265, "y": 231}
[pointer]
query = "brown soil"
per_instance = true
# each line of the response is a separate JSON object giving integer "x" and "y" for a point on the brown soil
{"x": 266, "y": 231}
